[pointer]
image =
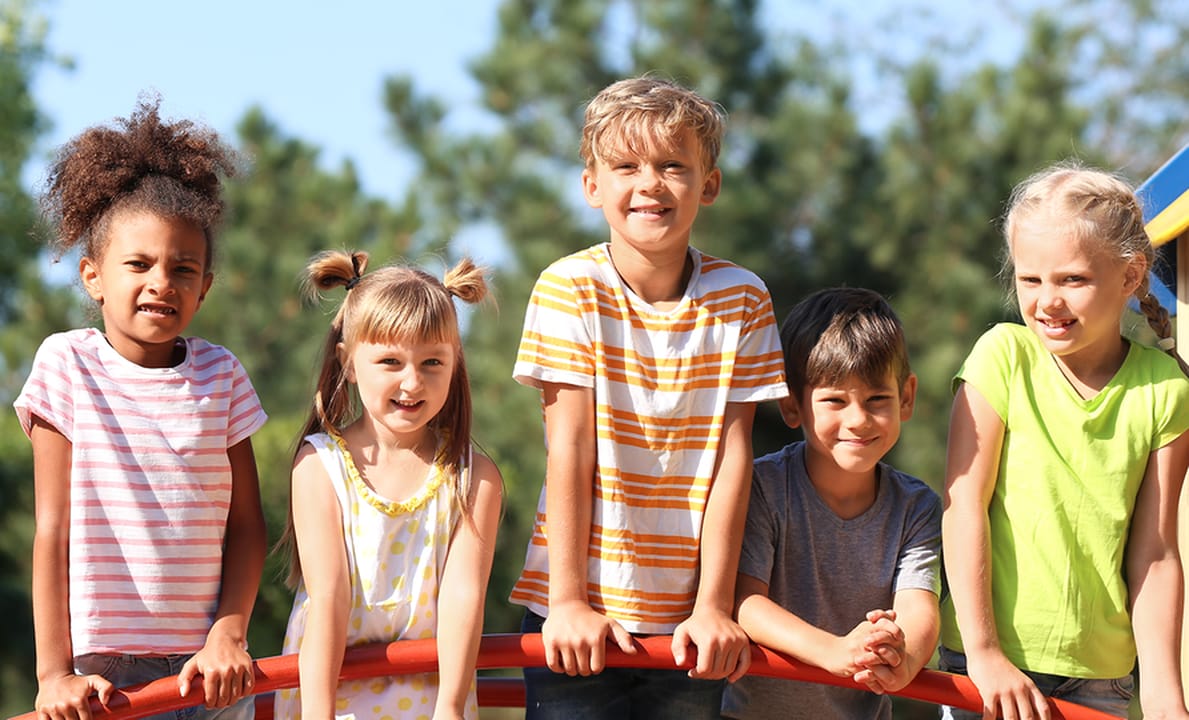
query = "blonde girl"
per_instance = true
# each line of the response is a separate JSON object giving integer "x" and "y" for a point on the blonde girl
{"x": 1066, "y": 455}
{"x": 393, "y": 513}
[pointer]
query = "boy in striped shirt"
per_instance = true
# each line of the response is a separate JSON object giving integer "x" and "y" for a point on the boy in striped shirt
{"x": 650, "y": 357}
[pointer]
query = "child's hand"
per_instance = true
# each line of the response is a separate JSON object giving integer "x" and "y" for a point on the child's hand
{"x": 724, "y": 650}
{"x": 575, "y": 638}
{"x": 883, "y": 667}
{"x": 874, "y": 642}
{"x": 226, "y": 670}
{"x": 68, "y": 697}
{"x": 1005, "y": 689}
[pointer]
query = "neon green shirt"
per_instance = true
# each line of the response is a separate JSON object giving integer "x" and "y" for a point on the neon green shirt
{"x": 1060, "y": 514}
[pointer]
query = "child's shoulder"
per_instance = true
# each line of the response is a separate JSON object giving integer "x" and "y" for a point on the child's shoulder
{"x": 584, "y": 262}
{"x": 726, "y": 273}
{"x": 915, "y": 491}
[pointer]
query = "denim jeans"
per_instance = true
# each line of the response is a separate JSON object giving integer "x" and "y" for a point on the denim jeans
{"x": 125, "y": 670}
{"x": 1112, "y": 696}
{"x": 617, "y": 693}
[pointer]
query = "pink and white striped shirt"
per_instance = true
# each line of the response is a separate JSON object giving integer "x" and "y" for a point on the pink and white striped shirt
{"x": 150, "y": 485}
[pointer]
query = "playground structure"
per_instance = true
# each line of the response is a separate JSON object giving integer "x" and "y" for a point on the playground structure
{"x": 1166, "y": 216}
{"x": 500, "y": 651}
{"x": 1166, "y": 213}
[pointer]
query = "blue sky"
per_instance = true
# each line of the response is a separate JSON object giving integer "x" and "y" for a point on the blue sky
{"x": 317, "y": 66}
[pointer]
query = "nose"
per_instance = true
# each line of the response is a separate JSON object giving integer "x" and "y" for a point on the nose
{"x": 648, "y": 179}
{"x": 1050, "y": 297}
{"x": 159, "y": 281}
{"x": 855, "y": 415}
{"x": 412, "y": 380}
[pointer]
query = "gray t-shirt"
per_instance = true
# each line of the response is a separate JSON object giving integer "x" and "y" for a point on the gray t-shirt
{"x": 830, "y": 572}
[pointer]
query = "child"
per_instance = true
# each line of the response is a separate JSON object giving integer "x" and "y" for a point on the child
{"x": 834, "y": 536}
{"x": 392, "y": 514}
{"x": 650, "y": 357}
{"x": 1066, "y": 455}
{"x": 150, "y": 537}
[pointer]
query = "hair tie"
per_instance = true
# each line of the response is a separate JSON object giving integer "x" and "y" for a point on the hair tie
{"x": 1167, "y": 343}
{"x": 352, "y": 283}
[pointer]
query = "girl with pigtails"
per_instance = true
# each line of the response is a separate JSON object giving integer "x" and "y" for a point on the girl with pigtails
{"x": 393, "y": 512}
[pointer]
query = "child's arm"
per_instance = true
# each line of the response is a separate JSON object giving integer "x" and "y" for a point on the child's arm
{"x": 574, "y": 634}
{"x": 1154, "y": 579}
{"x": 318, "y": 530}
{"x": 61, "y": 694}
{"x": 464, "y": 588}
{"x": 972, "y": 467}
{"x": 915, "y": 612}
{"x": 723, "y": 649}
{"x": 224, "y": 662}
{"x": 773, "y": 626}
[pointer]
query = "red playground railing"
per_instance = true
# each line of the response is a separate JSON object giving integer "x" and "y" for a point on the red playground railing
{"x": 511, "y": 651}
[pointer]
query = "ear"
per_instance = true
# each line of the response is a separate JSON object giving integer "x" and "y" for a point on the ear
{"x": 590, "y": 188}
{"x": 206, "y": 286}
{"x": 88, "y": 272}
{"x": 790, "y": 411}
{"x": 345, "y": 361}
{"x": 908, "y": 397}
{"x": 711, "y": 186}
{"x": 1133, "y": 275}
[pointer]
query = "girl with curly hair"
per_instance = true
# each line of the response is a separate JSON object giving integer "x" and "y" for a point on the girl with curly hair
{"x": 149, "y": 538}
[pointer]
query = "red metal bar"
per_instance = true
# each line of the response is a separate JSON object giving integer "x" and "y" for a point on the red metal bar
{"x": 507, "y": 651}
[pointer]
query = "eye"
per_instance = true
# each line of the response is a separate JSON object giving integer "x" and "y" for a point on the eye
{"x": 1075, "y": 280}
{"x": 137, "y": 264}
{"x": 1029, "y": 280}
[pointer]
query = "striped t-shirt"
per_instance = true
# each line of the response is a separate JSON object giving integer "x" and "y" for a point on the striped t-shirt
{"x": 661, "y": 381}
{"x": 150, "y": 485}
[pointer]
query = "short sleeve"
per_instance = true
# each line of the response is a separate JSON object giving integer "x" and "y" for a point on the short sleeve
{"x": 762, "y": 526}
{"x": 988, "y": 365}
{"x": 246, "y": 414}
{"x": 47, "y": 391}
{"x": 555, "y": 345}
{"x": 919, "y": 564}
{"x": 758, "y": 373}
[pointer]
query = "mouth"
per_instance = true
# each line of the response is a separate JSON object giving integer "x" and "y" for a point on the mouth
{"x": 652, "y": 211}
{"x": 409, "y": 404}
{"x": 156, "y": 310}
{"x": 1052, "y": 324}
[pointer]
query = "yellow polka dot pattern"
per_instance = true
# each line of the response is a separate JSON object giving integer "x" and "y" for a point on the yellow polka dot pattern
{"x": 396, "y": 552}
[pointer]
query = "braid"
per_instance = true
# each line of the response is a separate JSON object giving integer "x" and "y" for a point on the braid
{"x": 1158, "y": 319}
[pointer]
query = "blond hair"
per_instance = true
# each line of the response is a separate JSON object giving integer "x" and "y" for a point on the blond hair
{"x": 1099, "y": 208}
{"x": 637, "y": 112}
{"x": 393, "y": 303}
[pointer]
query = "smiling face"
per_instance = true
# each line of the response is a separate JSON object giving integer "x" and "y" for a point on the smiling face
{"x": 402, "y": 385}
{"x": 650, "y": 196}
{"x": 849, "y": 427}
{"x": 149, "y": 282}
{"x": 1071, "y": 293}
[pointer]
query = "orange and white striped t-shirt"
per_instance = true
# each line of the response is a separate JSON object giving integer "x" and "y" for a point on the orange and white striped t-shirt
{"x": 661, "y": 381}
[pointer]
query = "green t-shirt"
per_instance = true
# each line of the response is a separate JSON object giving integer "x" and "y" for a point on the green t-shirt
{"x": 1060, "y": 514}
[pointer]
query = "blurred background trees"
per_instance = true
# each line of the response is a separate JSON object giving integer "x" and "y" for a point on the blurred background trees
{"x": 878, "y": 153}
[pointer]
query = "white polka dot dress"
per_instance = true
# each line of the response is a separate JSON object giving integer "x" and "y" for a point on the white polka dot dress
{"x": 396, "y": 553}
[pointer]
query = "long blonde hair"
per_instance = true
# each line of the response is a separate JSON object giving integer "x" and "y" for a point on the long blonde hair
{"x": 393, "y": 303}
{"x": 1099, "y": 207}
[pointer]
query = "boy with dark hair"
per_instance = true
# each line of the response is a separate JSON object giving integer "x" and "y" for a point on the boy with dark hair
{"x": 840, "y": 554}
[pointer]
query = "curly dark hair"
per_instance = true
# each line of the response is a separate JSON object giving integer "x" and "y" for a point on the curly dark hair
{"x": 172, "y": 169}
